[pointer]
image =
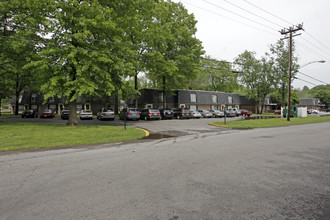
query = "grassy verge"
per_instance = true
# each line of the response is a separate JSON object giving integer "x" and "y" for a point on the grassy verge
{"x": 273, "y": 122}
{"x": 29, "y": 135}
{"x": 7, "y": 114}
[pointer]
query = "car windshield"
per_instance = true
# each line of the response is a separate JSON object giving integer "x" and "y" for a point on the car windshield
{"x": 109, "y": 110}
{"x": 48, "y": 111}
{"x": 87, "y": 111}
{"x": 132, "y": 110}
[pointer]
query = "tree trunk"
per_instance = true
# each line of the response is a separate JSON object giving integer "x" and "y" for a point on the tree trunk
{"x": 116, "y": 102}
{"x": 16, "y": 103}
{"x": 136, "y": 89}
{"x": 164, "y": 90}
{"x": 73, "y": 120}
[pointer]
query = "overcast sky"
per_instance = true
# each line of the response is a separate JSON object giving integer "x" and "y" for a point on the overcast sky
{"x": 228, "y": 27}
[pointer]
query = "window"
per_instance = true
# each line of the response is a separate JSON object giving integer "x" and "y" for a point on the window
{"x": 214, "y": 99}
{"x": 33, "y": 97}
{"x": 79, "y": 107}
{"x": 193, "y": 107}
{"x": 193, "y": 98}
{"x": 230, "y": 99}
{"x": 214, "y": 107}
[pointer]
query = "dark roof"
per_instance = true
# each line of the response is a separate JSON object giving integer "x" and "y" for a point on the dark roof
{"x": 310, "y": 101}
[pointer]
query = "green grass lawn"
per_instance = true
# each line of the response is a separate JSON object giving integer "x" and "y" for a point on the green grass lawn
{"x": 7, "y": 114}
{"x": 15, "y": 136}
{"x": 273, "y": 122}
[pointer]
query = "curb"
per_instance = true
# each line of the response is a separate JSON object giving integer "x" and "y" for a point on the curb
{"x": 147, "y": 132}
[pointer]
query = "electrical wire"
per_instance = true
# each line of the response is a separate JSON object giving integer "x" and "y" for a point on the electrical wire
{"x": 268, "y": 12}
{"x": 306, "y": 81}
{"x": 313, "y": 78}
{"x": 230, "y": 18}
{"x": 240, "y": 15}
{"x": 252, "y": 13}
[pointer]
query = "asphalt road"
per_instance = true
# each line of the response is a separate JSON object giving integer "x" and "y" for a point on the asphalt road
{"x": 273, "y": 173}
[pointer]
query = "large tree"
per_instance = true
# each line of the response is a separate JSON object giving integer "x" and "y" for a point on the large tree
{"x": 279, "y": 55}
{"x": 174, "y": 49}
{"x": 256, "y": 75}
{"x": 87, "y": 57}
{"x": 18, "y": 46}
{"x": 214, "y": 75}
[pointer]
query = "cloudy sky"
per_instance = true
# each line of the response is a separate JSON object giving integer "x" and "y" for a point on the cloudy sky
{"x": 228, "y": 27}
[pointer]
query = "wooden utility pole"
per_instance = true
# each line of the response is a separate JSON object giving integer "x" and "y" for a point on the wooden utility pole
{"x": 290, "y": 31}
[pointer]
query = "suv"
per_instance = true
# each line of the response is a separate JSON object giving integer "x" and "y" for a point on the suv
{"x": 105, "y": 113}
{"x": 166, "y": 113}
{"x": 181, "y": 113}
{"x": 149, "y": 113}
{"x": 129, "y": 114}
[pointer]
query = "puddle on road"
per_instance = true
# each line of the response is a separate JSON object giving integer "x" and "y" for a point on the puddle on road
{"x": 157, "y": 136}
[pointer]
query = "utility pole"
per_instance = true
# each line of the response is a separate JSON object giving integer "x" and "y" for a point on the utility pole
{"x": 290, "y": 31}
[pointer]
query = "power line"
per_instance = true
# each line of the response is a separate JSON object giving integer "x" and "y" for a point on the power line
{"x": 317, "y": 40}
{"x": 239, "y": 15}
{"x": 229, "y": 18}
{"x": 251, "y": 13}
{"x": 268, "y": 12}
{"x": 312, "y": 78}
{"x": 306, "y": 81}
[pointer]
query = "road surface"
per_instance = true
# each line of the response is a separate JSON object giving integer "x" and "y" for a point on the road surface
{"x": 273, "y": 173}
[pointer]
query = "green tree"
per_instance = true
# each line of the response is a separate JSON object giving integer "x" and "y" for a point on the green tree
{"x": 256, "y": 76}
{"x": 174, "y": 49}
{"x": 18, "y": 46}
{"x": 279, "y": 55}
{"x": 80, "y": 63}
{"x": 322, "y": 92}
{"x": 214, "y": 76}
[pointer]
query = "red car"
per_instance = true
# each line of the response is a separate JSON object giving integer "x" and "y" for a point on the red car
{"x": 277, "y": 112}
{"x": 246, "y": 112}
{"x": 47, "y": 113}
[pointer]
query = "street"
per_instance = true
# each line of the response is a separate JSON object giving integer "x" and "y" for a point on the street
{"x": 273, "y": 173}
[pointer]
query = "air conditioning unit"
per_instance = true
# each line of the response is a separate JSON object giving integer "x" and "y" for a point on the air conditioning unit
{"x": 182, "y": 105}
{"x": 149, "y": 105}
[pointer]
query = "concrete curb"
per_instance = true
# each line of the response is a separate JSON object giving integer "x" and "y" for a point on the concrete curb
{"x": 147, "y": 132}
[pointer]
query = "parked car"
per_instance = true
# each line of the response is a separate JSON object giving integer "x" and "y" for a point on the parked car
{"x": 31, "y": 113}
{"x": 86, "y": 114}
{"x": 129, "y": 114}
{"x": 327, "y": 110}
{"x": 195, "y": 114}
{"x": 65, "y": 114}
{"x": 166, "y": 113}
{"x": 237, "y": 111}
{"x": 246, "y": 112}
{"x": 277, "y": 112}
{"x": 47, "y": 113}
{"x": 217, "y": 113}
{"x": 230, "y": 113}
{"x": 181, "y": 113}
{"x": 313, "y": 111}
{"x": 206, "y": 113}
{"x": 150, "y": 113}
{"x": 105, "y": 113}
